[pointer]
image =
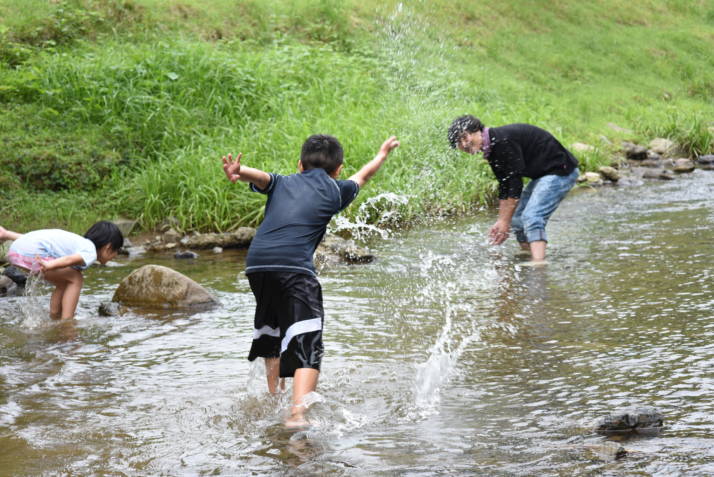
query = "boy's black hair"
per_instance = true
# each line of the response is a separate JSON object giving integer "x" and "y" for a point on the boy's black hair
{"x": 462, "y": 124}
{"x": 321, "y": 151}
{"x": 104, "y": 232}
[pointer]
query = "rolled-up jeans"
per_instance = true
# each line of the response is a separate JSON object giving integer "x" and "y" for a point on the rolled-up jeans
{"x": 538, "y": 201}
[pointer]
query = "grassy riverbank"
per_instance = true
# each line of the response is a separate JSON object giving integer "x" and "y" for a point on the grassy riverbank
{"x": 123, "y": 108}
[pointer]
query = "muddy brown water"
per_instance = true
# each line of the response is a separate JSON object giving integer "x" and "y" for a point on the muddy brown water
{"x": 444, "y": 357}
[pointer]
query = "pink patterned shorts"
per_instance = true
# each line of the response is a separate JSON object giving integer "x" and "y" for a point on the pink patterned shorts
{"x": 29, "y": 263}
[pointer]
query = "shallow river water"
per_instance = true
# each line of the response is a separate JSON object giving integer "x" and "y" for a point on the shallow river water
{"x": 446, "y": 356}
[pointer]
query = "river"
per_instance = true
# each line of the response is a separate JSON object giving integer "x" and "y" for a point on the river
{"x": 446, "y": 356}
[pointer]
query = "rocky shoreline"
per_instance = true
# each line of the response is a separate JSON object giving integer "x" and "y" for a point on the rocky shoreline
{"x": 662, "y": 159}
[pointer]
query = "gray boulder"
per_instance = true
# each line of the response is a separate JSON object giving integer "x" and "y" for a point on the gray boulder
{"x": 334, "y": 250}
{"x": 662, "y": 146}
{"x": 707, "y": 159}
{"x": 683, "y": 165}
{"x": 158, "y": 286}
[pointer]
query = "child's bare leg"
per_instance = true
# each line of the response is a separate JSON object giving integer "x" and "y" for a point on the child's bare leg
{"x": 56, "y": 302}
{"x": 72, "y": 281}
{"x": 304, "y": 381}
{"x": 272, "y": 372}
{"x": 538, "y": 250}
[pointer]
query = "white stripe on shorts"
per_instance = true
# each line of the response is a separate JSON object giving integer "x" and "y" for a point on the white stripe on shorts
{"x": 304, "y": 326}
{"x": 266, "y": 330}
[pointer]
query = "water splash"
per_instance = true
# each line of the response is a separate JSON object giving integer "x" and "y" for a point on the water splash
{"x": 372, "y": 217}
{"x": 34, "y": 311}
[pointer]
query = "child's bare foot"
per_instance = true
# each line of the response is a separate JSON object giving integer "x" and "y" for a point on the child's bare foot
{"x": 296, "y": 421}
{"x": 535, "y": 263}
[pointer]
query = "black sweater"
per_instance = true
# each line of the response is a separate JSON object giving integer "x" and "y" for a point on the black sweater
{"x": 522, "y": 150}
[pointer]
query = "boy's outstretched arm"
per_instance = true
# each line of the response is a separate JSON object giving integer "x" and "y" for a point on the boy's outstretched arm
{"x": 235, "y": 172}
{"x": 371, "y": 168}
{"x": 8, "y": 234}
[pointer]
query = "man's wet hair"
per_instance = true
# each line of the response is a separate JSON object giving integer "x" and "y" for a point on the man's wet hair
{"x": 321, "y": 151}
{"x": 462, "y": 124}
{"x": 105, "y": 232}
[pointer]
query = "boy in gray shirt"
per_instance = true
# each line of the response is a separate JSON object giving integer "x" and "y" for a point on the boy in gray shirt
{"x": 289, "y": 314}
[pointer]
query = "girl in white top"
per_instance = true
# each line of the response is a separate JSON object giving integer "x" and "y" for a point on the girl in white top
{"x": 60, "y": 257}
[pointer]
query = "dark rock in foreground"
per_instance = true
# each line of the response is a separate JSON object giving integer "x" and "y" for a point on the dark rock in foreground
{"x": 645, "y": 421}
{"x": 16, "y": 275}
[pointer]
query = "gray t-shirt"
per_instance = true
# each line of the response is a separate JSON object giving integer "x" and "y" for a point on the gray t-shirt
{"x": 297, "y": 212}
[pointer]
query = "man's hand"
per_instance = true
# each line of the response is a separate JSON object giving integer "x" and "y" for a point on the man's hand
{"x": 231, "y": 167}
{"x": 498, "y": 233}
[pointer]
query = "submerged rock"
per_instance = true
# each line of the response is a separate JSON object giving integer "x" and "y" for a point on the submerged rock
{"x": 109, "y": 308}
{"x": 606, "y": 451}
{"x": 158, "y": 286}
{"x": 647, "y": 173}
{"x": 186, "y": 254}
{"x": 647, "y": 421}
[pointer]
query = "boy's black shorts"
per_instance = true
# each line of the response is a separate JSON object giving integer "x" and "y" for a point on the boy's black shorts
{"x": 288, "y": 320}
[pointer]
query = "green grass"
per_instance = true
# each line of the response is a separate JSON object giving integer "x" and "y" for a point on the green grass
{"x": 124, "y": 107}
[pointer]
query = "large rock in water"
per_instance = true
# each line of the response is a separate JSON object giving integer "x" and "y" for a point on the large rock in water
{"x": 157, "y": 286}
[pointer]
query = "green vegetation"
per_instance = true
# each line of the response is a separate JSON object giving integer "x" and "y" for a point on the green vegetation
{"x": 124, "y": 107}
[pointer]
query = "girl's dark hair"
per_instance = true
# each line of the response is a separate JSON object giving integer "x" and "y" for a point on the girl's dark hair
{"x": 462, "y": 124}
{"x": 105, "y": 232}
{"x": 321, "y": 151}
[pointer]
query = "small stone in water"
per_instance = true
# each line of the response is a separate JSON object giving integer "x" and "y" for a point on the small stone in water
{"x": 217, "y": 250}
{"x": 638, "y": 421}
{"x": 186, "y": 254}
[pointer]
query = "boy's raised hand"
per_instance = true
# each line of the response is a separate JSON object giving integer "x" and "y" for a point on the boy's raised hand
{"x": 388, "y": 145}
{"x": 231, "y": 167}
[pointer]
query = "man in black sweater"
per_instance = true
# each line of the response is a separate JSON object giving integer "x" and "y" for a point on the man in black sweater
{"x": 515, "y": 151}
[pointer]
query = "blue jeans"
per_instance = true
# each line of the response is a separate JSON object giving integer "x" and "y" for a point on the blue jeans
{"x": 538, "y": 201}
